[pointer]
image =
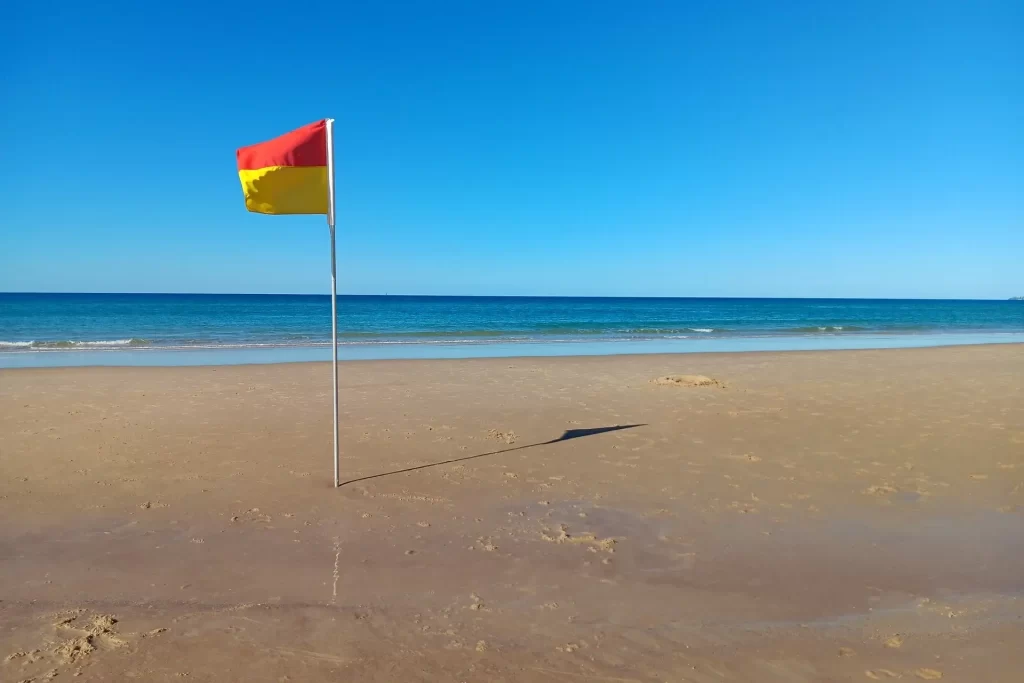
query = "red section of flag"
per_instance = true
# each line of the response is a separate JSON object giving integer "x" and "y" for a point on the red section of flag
{"x": 306, "y": 146}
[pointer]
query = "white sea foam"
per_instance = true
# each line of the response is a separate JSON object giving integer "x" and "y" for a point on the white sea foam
{"x": 71, "y": 344}
{"x": 705, "y": 330}
{"x": 109, "y": 342}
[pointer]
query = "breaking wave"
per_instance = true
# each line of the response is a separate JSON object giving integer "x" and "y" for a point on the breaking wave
{"x": 74, "y": 344}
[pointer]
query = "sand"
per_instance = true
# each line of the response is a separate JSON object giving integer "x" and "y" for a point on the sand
{"x": 832, "y": 516}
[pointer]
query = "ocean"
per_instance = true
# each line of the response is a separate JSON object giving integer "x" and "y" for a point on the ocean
{"x": 176, "y": 329}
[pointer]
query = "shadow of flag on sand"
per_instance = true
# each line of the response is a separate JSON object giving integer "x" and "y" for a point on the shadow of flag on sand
{"x": 568, "y": 435}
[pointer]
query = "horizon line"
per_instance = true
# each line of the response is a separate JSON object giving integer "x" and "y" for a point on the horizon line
{"x": 514, "y": 296}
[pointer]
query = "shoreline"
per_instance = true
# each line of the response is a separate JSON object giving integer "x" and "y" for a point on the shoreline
{"x": 596, "y": 358}
{"x": 204, "y": 356}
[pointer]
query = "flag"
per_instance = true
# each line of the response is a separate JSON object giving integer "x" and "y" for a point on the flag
{"x": 287, "y": 174}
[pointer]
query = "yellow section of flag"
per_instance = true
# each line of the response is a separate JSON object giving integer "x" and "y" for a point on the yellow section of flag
{"x": 285, "y": 189}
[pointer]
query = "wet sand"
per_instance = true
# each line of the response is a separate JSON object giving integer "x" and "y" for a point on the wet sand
{"x": 832, "y": 516}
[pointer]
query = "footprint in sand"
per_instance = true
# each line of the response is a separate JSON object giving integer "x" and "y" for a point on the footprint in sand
{"x": 880, "y": 674}
{"x": 881, "y": 490}
{"x": 928, "y": 674}
{"x": 485, "y": 544}
{"x": 687, "y": 381}
{"x": 508, "y": 437}
{"x": 478, "y": 603}
{"x": 894, "y": 642}
{"x": 250, "y": 515}
{"x": 583, "y": 538}
{"x": 79, "y": 637}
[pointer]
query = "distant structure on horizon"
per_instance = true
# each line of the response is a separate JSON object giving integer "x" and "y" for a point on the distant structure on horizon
{"x": 1017, "y": 298}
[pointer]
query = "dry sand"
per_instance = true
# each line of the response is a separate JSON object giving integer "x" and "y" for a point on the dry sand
{"x": 834, "y": 516}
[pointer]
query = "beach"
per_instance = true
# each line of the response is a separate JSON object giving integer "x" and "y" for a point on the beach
{"x": 792, "y": 516}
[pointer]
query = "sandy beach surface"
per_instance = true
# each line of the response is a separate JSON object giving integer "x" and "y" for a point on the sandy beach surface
{"x": 832, "y": 516}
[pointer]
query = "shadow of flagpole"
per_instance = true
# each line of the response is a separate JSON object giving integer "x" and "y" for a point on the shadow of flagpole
{"x": 568, "y": 435}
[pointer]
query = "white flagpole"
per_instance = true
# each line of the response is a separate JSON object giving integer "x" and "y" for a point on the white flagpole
{"x": 334, "y": 294}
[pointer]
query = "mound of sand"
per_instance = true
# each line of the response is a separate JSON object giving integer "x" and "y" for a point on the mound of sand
{"x": 687, "y": 381}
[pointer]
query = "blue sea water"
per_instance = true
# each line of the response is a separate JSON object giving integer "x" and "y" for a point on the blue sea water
{"x": 156, "y": 329}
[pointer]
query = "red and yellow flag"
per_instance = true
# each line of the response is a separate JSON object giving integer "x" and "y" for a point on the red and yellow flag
{"x": 287, "y": 174}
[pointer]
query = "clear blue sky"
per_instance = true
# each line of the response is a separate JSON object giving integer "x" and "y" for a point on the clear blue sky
{"x": 578, "y": 148}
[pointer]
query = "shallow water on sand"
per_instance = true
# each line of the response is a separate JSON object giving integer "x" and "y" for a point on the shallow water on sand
{"x": 245, "y": 356}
